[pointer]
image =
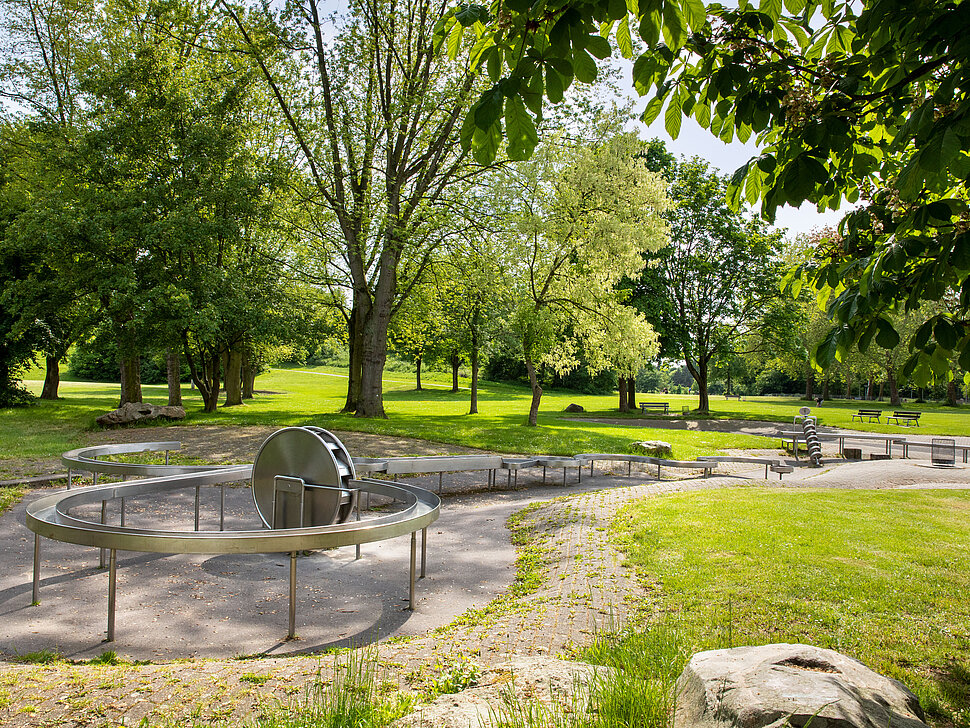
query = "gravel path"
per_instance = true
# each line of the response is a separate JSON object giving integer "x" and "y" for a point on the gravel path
{"x": 584, "y": 589}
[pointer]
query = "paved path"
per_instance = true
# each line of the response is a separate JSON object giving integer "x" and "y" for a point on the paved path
{"x": 584, "y": 588}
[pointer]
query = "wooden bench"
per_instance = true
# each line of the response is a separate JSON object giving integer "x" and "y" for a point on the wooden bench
{"x": 868, "y": 414}
{"x": 733, "y": 396}
{"x": 906, "y": 416}
{"x": 662, "y": 407}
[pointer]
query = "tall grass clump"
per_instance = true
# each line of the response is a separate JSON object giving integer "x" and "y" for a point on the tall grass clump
{"x": 636, "y": 688}
{"x": 354, "y": 698}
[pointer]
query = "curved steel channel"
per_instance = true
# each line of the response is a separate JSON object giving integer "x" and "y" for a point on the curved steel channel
{"x": 51, "y": 516}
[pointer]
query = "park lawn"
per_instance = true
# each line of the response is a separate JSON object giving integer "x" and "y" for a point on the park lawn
{"x": 882, "y": 576}
{"x": 936, "y": 419}
{"x": 314, "y": 396}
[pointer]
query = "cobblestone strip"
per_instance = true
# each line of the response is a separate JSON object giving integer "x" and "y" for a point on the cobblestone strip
{"x": 585, "y": 590}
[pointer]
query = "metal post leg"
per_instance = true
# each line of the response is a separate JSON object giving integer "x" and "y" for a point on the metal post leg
{"x": 104, "y": 513}
{"x": 579, "y": 474}
{"x": 629, "y": 467}
{"x": 222, "y": 507}
{"x": 508, "y": 480}
{"x": 112, "y": 587}
{"x": 35, "y": 595}
{"x": 166, "y": 457}
{"x": 291, "y": 634}
{"x": 591, "y": 468}
{"x": 198, "y": 490}
{"x": 358, "y": 518}
{"x": 564, "y": 477}
{"x": 70, "y": 478}
{"x": 122, "y": 512}
{"x": 424, "y": 550}
{"x": 543, "y": 474}
{"x": 414, "y": 549}
{"x": 440, "y": 474}
{"x": 658, "y": 471}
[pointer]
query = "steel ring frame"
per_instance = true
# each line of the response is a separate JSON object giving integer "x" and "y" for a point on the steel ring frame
{"x": 50, "y": 517}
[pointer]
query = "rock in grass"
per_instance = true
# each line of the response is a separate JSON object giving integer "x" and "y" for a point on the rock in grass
{"x": 574, "y": 408}
{"x": 790, "y": 685}
{"x": 503, "y": 691}
{"x": 131, "y": 412}
{"x": 652, "y": 447}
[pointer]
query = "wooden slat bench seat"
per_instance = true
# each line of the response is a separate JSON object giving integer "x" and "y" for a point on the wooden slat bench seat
{"x": 662, "y": 407}
{"x": 906, "y": 417}
{"x": 868, "y": 414}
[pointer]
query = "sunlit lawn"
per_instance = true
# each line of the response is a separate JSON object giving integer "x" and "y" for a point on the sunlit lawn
{"x": 314, "y": 396}
{"x": 882, "y": 576}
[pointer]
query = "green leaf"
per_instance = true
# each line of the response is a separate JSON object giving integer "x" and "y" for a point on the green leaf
{"x": 623, "y": 38}
{"x": 673, "y": 117}
{"x": 485, "y": 143}
{"x": 599, "y": 46}
{"x": 922, "y": 336}
{"x": 471, "y": 14}
{"x": 519, "y": 129}
{"x": 673, "y": 26}
{"x": 652, "y": 111}
{"x": 771, "y": 8}
{"x": 454, "y": 41}
{"x": 584, "y": 66}
{"x": 468, "y": 127}
{"x": 696, "y": 14}
{"x": 795, "y": 6}
{"x": 886, "y": 335}
{"x": 489, "y": 108}
{"x": 826, "y": 351}
{"x": 554, "y": 85}
{"x": 945, "y": 334}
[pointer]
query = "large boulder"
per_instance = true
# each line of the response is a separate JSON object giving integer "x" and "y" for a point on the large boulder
{"x": 657, "y": 448}
{"x": 131, "y": 412}
{"x": 777, "y": 685}
{"x": 520, "y": 681}
{"x": 573, "y": 407}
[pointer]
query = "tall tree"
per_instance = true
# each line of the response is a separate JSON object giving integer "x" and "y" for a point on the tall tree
{"x": 851, "y": 101}
{"x": 373, "y": 111}
{"x": 579, "y": 217}
{"x": 719, "y": 273}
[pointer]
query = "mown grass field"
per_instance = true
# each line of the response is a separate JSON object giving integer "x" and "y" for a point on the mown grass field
{"x": 314, "y": 396}
{"x": 882, "y": 576}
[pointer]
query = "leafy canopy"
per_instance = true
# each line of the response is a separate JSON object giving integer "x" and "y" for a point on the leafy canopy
{"x": 863, "y": 104}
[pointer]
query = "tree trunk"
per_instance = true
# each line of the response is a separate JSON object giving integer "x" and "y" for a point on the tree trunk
{"x": 417, "y": 364}
{"x": 248, "y": 376}
{"x": 624, "y": 400}
{"x": 455, "y": 363}
{"x": 870, "y": 386}
{"x": 356, "y": 371}
{"x": 893, "y": 389}
{"x": 703, "y": 398}
{"x": 130, "y": 379}
{"x": 809, "y": 383}
{"x": 473, "y": 409}
{"x": 370, "y": 403}
{"x": 233, "y": 358}
{"x": 205, "y": 374}
{"x": 848, "y": 384}
{"x": 631, "y": 392}
{"x": 952, "y": 395}
{"x": 825, "y": 389}
{"x": 536, "y": 392}
{"x": 173, "y": 372}
{"x": 882, "y": 389}
{"x": 52, "y": 378}
{"x": 728, "y": 382}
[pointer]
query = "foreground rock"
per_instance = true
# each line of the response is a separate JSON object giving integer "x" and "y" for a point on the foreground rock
{"x": 131, "y": 412}
{"x": 777, "y": 685}
{"x": 574, "y": 408}
{"x": 521, "y": 681}
{"x": 652, "y": 447}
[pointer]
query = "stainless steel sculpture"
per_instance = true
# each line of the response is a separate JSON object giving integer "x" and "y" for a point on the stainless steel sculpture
{"x": 292, "y": 462}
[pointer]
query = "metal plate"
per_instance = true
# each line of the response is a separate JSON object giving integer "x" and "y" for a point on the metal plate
{"x": 310, "y": 453}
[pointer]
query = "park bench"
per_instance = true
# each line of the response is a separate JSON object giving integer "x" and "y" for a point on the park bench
{"x": 906, "y": 418}
{"x": 868, "y": 414}
{"x": 733, "y": 396}
{"x": 662, "y": 407}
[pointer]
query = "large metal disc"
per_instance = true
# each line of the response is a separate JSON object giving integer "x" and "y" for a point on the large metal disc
{"x": 297, "y": 452}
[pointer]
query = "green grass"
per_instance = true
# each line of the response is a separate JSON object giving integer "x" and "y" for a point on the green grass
{"x": 882, "y": 576}
{"x": 314, "y": 396}
{"x": 936, "y": 419}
